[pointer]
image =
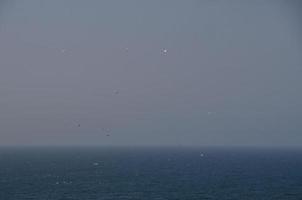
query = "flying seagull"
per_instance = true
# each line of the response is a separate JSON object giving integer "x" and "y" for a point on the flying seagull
{"x": 77, "y": 124}
{"x": 165, "y": 51}
{"x": 107, "y": 131}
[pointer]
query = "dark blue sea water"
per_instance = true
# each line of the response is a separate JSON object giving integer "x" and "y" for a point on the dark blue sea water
{"x": 150, "y": 173}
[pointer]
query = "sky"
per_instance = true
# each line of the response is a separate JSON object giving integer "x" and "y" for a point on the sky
{"x": 141, "y": 72}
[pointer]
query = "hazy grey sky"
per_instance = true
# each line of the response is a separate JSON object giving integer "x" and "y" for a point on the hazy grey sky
{"x": 231, "y": 74}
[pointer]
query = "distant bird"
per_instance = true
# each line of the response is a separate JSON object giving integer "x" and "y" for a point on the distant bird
{"x": 106, "y": 131}
{"x": 211, "y": 113}
{"x": 164, "y": 51}
{"x": 77, "y": 124}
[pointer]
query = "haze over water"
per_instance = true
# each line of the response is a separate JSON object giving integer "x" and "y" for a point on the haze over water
{"x": 152, "y": 72}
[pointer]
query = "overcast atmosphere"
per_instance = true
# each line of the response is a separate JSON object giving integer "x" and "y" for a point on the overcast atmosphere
{"x": 154, "y": 72}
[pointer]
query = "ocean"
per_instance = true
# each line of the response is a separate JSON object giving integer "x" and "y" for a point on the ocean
{"x": 159, "y": 173}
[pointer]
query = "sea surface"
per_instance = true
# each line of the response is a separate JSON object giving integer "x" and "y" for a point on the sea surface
{"x": 150, "y": 173}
